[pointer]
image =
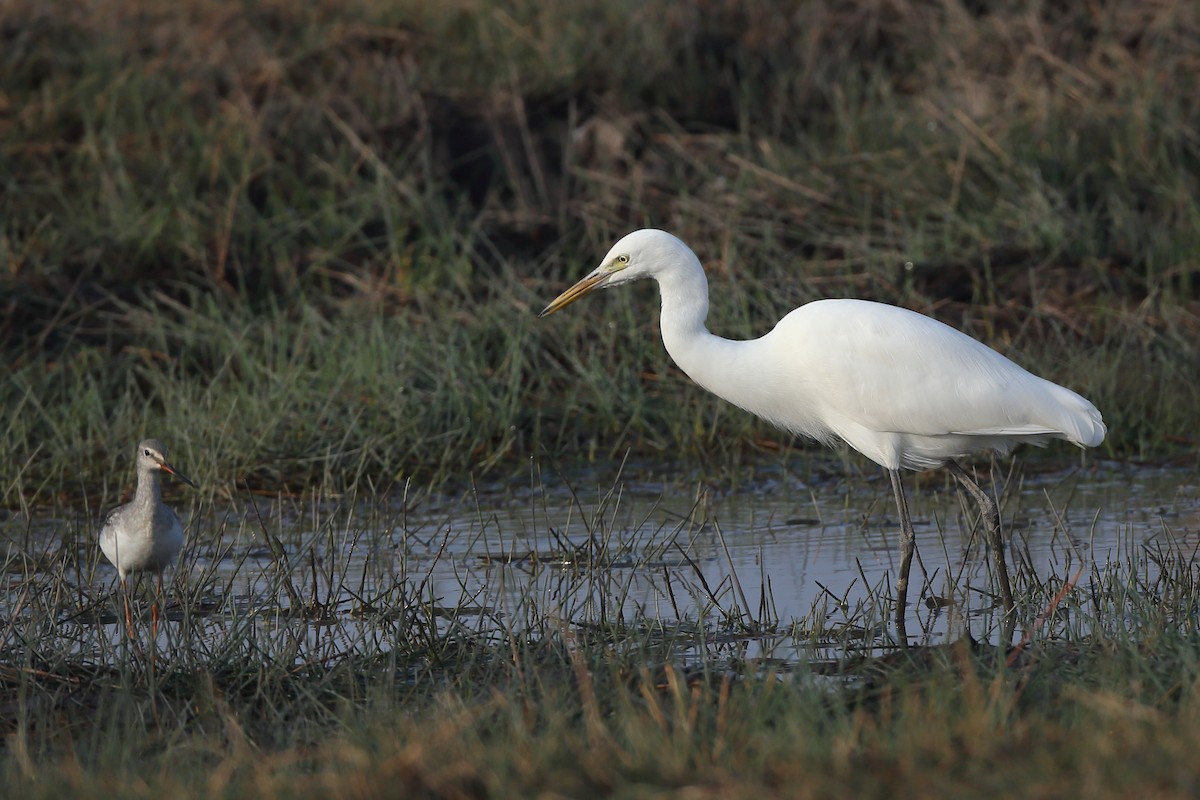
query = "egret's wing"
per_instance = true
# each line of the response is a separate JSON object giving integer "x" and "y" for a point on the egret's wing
{"x": 889, "y": 369}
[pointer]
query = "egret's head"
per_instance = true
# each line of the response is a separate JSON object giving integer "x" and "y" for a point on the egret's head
{"x": 637, "y": 255}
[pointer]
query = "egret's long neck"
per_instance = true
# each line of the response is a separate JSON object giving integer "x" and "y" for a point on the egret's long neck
{"x": 684, "y": 292}
{"x": 711, "y": 361}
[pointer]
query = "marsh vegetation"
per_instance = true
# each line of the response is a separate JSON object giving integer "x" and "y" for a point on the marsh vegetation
{"x": 305, "y": 247}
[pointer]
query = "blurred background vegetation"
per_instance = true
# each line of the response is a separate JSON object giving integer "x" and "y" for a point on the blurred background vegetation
{"x": 307, "y": 242}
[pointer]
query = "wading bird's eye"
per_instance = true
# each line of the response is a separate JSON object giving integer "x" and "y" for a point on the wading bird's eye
{"x": 623, "y": 259}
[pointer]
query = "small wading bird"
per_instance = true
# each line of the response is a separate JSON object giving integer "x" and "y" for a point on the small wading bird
{"x": 144, "y": 535}
{"x": 901, "y": 388}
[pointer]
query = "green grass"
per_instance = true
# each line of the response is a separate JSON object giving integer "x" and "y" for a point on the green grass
{"x": 305, "y": 246}
{"x": 308, "y": 244}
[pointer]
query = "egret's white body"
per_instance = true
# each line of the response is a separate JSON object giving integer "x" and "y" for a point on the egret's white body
{"x": 144, "y": 535}
{"x": 901, "y": 388}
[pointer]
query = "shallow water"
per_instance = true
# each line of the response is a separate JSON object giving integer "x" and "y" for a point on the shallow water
{"x": 800, "y": 562}
{"x": 822, "y": 553}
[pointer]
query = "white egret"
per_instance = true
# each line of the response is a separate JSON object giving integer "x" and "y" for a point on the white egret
{"x": 144, "y": 535}
{"x": 903, "y": 389}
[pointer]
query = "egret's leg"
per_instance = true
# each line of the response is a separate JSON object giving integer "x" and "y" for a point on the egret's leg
{"x": 991, "y": 519}
{"x": 908, "y": 544}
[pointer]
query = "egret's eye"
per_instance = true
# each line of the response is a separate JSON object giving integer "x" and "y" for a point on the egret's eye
{"x": 622, "y": 259}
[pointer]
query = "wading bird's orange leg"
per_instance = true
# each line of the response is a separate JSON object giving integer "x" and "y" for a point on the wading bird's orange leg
{"x": 154, "y": 610}
{"x": 128, "y": 616}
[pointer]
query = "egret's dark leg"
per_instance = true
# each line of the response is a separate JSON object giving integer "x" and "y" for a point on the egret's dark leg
{"x": 908, "y": 544}
{"x": 991, "y": 519}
